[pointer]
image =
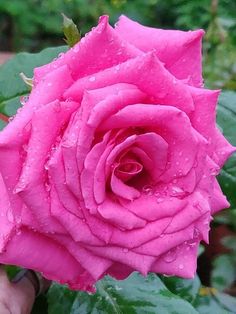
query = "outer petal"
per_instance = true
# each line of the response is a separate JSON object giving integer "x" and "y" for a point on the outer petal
{"x": 180, "y": 51}
{"x": 30, "y": 249}
{"x": 164, "y": 88}
{"x": 6, "y": 217}
{"x": 182, "y": 263}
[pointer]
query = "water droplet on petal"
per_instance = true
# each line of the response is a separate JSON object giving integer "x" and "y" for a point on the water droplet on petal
{"x": 196, "y": 233}
{"x": 125, "y": 250}
{"x": 61, "y": 55}
{"x": 24, "y": 99}
{"x": 18, "y": 231}
{"x": 11, "y": 118}
{"x": 214, "y": 171}
{"x": 148, "y": 190}
{"x": 57, "y": 107}
{"x": 92, "y": 79}
{"x": 181, "y": 266}
{"x": 117, "y": 68}
{"x": 177, "y": 191}
{"x": 170, "y": 256}
{"x": 197, "y": 206}
{"x": 46, "y": 166}
{"x": 25, "y": 147}
{"x": 10, "y": 216}
{"x": 47, "y": 187}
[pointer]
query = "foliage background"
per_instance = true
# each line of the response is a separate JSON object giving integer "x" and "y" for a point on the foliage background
{"x": 31, "y": 25}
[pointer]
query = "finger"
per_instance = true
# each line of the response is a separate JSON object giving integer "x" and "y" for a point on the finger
{"x": 24, "y": 291}
{"x": 3, "y": 276}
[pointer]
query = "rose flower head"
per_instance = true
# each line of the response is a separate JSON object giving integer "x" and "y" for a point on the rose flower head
{"x": 111, "y": 164}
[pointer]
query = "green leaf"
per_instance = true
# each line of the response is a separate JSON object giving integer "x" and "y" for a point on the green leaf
{"x": 224, "y": 271}
{"x": 226, "y": 118}
{"x": 210, "y": 301}
{"x": 70, "y": 31}
{"x": 229, "y": 242}
{"x": 201, "y": 250}
{"x": 11, "y": 84}
{"x": 227, "y": 301}
{"x": 2, "y": 124}
{"x": 11, "y": 271}
{"x": 60, "y": 299}
{"x": 135, "y": 295}
{"x": 185, "y": 288}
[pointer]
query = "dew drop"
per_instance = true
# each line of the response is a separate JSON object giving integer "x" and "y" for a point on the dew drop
{"x": 176, "y": 191}
{"x": 76, "y": 48}
{"x": 170, "y": 256}
{"x": 11, "y": 118}
{"x": 25, "y": 147}
{"x": 10, "y": 216}
{"x": 196, "y": 233}
{"x": 61, "y": 55}
{"x": 57, "y": 107}
{"x": 125, "y": 250}
{"x": 197, "y": 205}
{"x": 18, "y": 232}
{"x": 192, "y": 242}
{"x": 214, "y": 171}
{"x": 117, "y": 67}
{"x": 118, "y": 288}
{"x": 148, "y": 190}
{"x": 160, "y": 200}
{"x": 47, "y": 187}
{"x": 24, "y": 99}
{"x": 181, "y": 266}
{"x": 92, "y": 79}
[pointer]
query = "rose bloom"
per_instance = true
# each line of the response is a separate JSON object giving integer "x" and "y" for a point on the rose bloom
{"x": 111, "y": 164}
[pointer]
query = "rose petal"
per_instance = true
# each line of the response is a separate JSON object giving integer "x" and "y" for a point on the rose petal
{"x": 151, "y": 207}
{"x": 36, "y": 249}
{"x": 142, "y": 263}
{"x": 182, "y": 263}
{"x": 163, "y": 88}
{"x": 114, "y": 213}
{"x": 165, "y": 121}
{"x": 180, "y": 51}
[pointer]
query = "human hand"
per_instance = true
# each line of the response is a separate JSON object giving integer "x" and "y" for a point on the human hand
{"x": 18, "y": 296}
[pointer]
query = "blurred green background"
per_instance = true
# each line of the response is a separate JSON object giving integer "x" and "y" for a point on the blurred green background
{"x": 31, "y": 25}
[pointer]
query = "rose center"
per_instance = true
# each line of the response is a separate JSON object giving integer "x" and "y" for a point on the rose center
{"x": 127, "y": 169}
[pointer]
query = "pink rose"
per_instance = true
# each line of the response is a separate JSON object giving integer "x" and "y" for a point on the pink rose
{"x": 111, "y": 165}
